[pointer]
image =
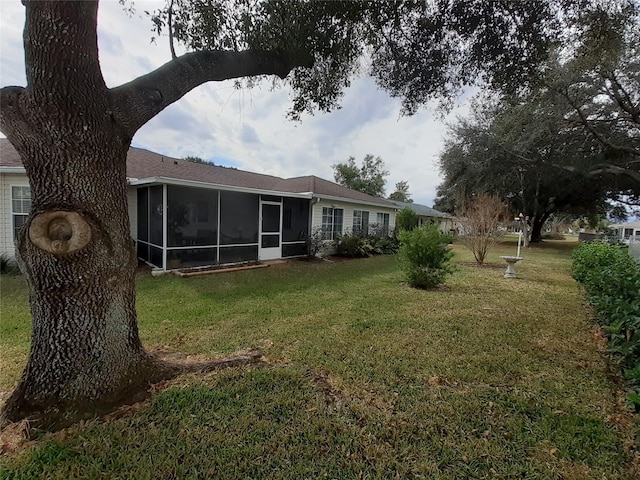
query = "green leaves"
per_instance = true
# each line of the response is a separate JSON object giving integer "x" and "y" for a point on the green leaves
{"x": 369, "y": 178}
{"x": 424, "y": 256}
{"x": 612, "y": 281}
{"x": 415, "y": 50}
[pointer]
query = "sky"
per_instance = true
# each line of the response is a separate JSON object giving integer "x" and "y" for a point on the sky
{"x": 248, "y": 128}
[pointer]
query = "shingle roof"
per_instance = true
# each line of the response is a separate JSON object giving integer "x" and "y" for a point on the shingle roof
{"x": 143, "y": 164}
{"x": 8, "y": 155}
{"x": 421, "y": 210}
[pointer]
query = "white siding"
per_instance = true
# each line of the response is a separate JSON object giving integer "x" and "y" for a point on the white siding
{"x": 347, "y": 220}
{"x": 8, "y": 180}
{"x": 347, "y": 223}
{"x": 132, "y": 204}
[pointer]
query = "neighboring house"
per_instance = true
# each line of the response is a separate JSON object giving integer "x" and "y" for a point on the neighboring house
{"x": 428, "y": 215}
{"x": 185, "y": 214}
{"x": 627, "y": 231}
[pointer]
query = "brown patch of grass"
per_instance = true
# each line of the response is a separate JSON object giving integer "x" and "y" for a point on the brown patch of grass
{"x": 14, "y": 437}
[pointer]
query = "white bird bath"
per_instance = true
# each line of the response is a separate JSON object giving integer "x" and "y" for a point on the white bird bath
{"x": 511, "y": 261}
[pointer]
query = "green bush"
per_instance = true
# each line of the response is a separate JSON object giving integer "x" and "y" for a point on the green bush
{"x": 353, "y": 245}
{"x": 384, "y": 245}
{"x": 424, "y": 256}
{"x": 406, "y": 219}
{"x": 611, "y": 279}
{"x": 356, "y": 245}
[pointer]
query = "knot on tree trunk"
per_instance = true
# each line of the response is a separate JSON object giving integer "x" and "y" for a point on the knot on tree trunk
{"x": 59, "y": 232}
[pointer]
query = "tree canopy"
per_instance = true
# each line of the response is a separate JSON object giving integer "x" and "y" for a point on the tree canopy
{"x": 598, "y": 88}
{"x": 418, "y": 51}
{"x": 369, "y": 178}
{"x": 401, "y": 193}
{"x": 569, "y": 143}
{"x": 518, "y": 148}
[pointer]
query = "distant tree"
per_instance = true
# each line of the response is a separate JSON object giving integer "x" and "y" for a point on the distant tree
{"x": 571, "y": 144}
{"x": 599, "y": 88}
{"x": 523, "y": 149}
{"x": 401, "y": 193}
{"x": 480, "y": 220}
{"x": 406, "y": 219}
{"x": 369, "y": 178}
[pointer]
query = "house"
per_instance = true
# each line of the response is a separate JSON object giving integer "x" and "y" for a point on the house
{"x": 428, "y": 215}
{"x": 185, "y": 214}
{"x": 626, "y": 232}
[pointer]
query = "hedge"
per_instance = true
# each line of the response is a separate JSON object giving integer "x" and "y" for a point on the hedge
{"x": 611, "y": 279}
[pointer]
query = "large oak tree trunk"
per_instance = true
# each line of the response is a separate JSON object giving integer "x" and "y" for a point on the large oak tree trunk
{"x": 73, "y": 135}
{"x": 76, "y": 251}
{"x": 85, "y": 354}
{"x": 536, "y": 227}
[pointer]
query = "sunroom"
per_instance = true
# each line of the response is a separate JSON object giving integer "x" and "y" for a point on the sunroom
{"x": 185, "y": 225}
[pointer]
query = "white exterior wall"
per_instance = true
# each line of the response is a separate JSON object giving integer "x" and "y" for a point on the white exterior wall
{"x": 132, "y": 205}
{"x": 347, "y": 220}
{"x": 8, "y": 180}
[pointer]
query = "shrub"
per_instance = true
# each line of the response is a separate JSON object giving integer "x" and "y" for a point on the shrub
{"x": 353, "y": 245}
{"x": 424, "y": 256}
{"x": 406, "y": 219}
{"x": 356, "y": 245}
{"x": 8, "y": 267}
{"x": 384, "y": 245}
{"x": 480, "y": 223}
{"x": 611, "y": 279}
{"x": 314, "y": 242}
{"x": 552, "y": 236}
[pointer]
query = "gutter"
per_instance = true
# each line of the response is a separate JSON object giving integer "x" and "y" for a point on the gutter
{"x": 139, "y": 182}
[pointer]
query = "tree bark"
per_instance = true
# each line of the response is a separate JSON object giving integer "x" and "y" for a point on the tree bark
{"x": 86, "y": 355}
{"x": 536, "y": 227}
{"x": 73, "y": 135}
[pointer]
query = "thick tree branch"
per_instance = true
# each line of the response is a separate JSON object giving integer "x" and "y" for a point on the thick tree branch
{"x": 137, "y": 102}
{"x": 603, "y": 169}
{"x": 170, "y": 25}
{"x": 587, "y": 124}
{"x": 622, "y": 97}
{"x": 11, "y": 115}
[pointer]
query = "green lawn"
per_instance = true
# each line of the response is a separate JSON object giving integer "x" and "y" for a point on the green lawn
{"x": 368, "y": 378}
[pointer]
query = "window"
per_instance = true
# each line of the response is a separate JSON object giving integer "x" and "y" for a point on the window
{"x": 331, "y": 222}
{"x": 383, "y": 223}
{"x": 20, "y": 207}
{"x": 360, "y": 223}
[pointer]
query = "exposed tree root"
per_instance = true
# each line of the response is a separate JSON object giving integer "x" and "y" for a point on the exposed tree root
{"x": 156, "y": 368}
{"x": 249, "y": 357}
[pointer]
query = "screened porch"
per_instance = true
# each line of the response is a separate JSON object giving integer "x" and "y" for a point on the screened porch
{"x": 184, "y": 226}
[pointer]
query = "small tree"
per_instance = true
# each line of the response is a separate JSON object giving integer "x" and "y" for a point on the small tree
{"x": 315, "y": 243}
{"x": 480, "y": 224}
{"x": 406, "y": 219}
{"x": 424, "y": 256}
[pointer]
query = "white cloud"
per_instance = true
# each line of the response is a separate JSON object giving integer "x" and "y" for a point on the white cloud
{"x": 249, "y": 128}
